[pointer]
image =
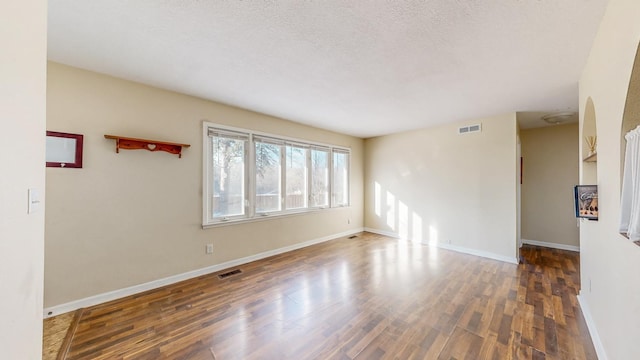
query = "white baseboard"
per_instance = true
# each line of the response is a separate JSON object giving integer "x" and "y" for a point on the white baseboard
{"x": 593, "y": 331}
{"x": 455, "y": 248}
{"x": 120, "y": 293}
{"x": 551, "y": 245}
{"x": 382, "y": 232}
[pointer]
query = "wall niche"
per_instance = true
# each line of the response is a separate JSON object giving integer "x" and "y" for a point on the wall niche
{"x": 590, "y": 164}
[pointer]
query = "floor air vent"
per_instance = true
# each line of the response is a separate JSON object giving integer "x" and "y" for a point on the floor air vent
{"x": 353, "y": 236}
{"x": 229, "y": 273}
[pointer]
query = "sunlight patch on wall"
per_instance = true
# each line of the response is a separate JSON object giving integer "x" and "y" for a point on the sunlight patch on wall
{"x": 403, "y": 221}
{"x": 376, "y": 198}
{"x": 391, "y": 210}
{"x": 416, "y": 228}
{"x": 433, "y": 250}
{"x": 433, "y": 234}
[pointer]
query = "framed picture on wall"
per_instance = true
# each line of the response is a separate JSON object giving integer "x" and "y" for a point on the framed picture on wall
{"x": 586, "y": 201}
{"x": 64, "y": 150}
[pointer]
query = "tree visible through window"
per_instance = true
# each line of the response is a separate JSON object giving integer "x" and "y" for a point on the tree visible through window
{"x": 286, "y": 176}
{"x": 228, "y": 155}
{"x": 296, "y": 171}
{"x": 340, "y": 178}
{"x": 268, "y": 177}
{"x": 319, "y": 178}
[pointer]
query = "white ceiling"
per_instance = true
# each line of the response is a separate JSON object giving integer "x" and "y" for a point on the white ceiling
{"x": 533, "y": 119}
{"x": 364, "y": 68}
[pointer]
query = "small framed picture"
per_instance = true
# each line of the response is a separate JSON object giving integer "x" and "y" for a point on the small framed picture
{"x": 64, "y": 150}
{"x": 586, "y": 201}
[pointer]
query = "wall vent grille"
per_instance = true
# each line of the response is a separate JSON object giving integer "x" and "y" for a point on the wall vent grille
{"x": 469, "y": 129}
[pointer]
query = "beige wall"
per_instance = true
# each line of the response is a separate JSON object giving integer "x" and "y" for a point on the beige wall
{"x": 550, "y": 171}
{"x": 23, "y": 35}
{"x": 610, "y": 264}
{"x": 437, "y": 186}
{"x": 134, "y": 217}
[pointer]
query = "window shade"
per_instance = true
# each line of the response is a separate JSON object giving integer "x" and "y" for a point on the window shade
{"x": 228, "y": 134}
{"x": 630, "y": 197}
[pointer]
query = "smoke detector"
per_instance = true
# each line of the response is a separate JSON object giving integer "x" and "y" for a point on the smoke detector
{"x": 558, "y": 118}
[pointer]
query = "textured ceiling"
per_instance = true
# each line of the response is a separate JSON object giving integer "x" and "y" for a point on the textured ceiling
{"x": 364, "y": 68}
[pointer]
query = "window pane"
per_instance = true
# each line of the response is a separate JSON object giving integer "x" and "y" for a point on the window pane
{"x": 228, "y": 176}
{"x": 250, "y": 175}
{"x": 319, "y": 178}
{"x": 296, "y": 177}
{"x": 268, "y": 177}
{"x": 340, "y": 179}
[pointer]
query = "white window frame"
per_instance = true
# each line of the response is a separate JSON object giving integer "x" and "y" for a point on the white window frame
{"x": 332, "y": 186}
{"x": 252, "y": 183}
{"x": 208, "y": 175}
{"x": 329, "y": 168}
{"x": 307, "y": 149}
{"x": 250, "y": 176}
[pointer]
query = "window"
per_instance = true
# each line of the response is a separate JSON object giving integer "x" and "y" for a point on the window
{"x": 319, "y": 178}
{"x": 268, "y": 177}
{"x": 296, "y": 173}
{"x": 228, "y": 173}
{"x": 249, "y": 175}
{"x": 340, "y": 178}
{"x": 630, "y": 196}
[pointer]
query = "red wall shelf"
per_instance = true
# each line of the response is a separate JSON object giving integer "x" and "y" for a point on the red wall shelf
{"x": 128, "y": 143}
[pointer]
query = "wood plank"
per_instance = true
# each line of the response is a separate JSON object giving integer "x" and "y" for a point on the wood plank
{"x": 371, "y": 297}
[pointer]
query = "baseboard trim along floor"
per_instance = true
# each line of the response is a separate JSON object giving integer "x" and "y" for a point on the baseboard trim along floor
{"x": 551, "y": 245}
{"x": 595, "y": 337}
{"x": 117, "y": 294}
{"x": 460, "y": 249}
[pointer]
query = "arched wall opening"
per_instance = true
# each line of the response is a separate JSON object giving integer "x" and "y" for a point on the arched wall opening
{"x": 631, "y": 116}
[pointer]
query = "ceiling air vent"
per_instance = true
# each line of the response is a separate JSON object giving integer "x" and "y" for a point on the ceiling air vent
{"x": 469, "y": 129}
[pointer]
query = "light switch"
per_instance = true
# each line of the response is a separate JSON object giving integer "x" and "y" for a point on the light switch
{"x": 34, "y": 201}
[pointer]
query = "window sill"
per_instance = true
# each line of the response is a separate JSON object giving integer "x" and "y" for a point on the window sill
{"x": 266, "y": 217}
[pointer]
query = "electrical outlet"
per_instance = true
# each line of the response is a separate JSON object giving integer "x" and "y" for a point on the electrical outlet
{"x": 209, "y": 248}
{"x": 348, "y": 221}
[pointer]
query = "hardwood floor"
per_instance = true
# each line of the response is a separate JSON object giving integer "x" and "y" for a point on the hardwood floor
{"x": 371, "y": 297}
{"x": 55, "y": 332}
